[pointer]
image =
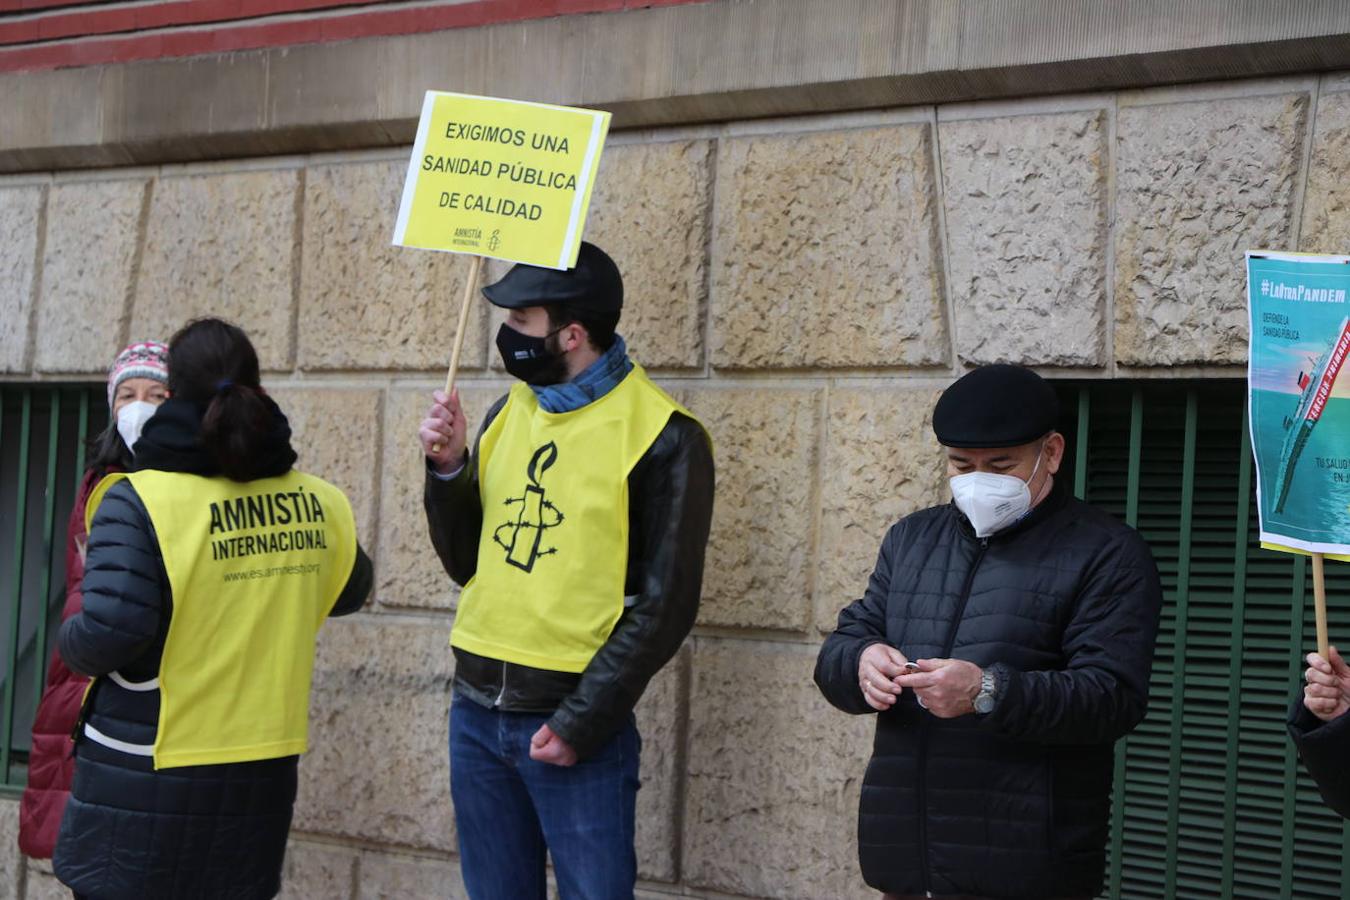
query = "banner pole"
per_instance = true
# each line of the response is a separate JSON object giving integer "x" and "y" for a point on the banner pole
{"x": 470, "y": 283}
{"x": 1320, "y": 603}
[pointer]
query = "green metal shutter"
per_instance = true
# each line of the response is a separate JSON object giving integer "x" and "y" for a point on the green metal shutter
{"x": 1210, "y": 798}
{"x": 43, "y": 432}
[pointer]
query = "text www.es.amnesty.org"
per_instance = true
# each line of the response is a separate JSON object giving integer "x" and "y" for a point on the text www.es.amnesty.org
{"x": 272, "y": 572}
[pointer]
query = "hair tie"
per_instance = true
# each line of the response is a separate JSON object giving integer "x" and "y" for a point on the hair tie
{"x": 223, "y": 385}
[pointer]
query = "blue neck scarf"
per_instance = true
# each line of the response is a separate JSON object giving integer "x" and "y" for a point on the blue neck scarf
{"x": 600, "y": 377}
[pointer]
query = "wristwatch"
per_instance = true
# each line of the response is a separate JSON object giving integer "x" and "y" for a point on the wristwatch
{"x": 988, "y": 695}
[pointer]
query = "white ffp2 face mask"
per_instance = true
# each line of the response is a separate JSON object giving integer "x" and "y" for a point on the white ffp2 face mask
{"x": 131, "y": 419}
{"x": 992, "y": 502}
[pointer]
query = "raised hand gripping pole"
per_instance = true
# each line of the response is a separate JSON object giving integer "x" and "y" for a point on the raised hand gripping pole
{"x": 472, "y": 282}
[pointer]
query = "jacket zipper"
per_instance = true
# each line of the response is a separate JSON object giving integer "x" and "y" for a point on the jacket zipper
{"x": 923, "y": 722}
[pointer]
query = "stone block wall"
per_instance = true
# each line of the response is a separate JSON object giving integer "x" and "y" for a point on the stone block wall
{"x": 807, "y": 286}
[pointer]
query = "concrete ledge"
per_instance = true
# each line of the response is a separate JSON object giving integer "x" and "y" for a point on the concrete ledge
{"x": 716, "y": 61}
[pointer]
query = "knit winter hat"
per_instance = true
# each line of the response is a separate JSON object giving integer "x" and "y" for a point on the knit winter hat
{"x": 143, "y": 359}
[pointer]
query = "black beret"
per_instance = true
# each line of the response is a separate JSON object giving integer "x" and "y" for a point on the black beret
{"x": 995, "y": 406}
{"x": 592, "y": 285}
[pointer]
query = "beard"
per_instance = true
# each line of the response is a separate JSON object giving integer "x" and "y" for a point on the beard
{"x": 555, "y": 372}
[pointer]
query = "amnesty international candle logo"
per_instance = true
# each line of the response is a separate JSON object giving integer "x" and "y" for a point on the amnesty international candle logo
{"x": 534, "y": 514}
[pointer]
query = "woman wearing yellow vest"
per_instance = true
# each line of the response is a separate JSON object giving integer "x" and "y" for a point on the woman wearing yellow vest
{"x": 210, "y": 568}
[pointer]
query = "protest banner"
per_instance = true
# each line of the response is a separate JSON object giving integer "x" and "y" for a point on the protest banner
{"x": 1299, "y": 407}
{"x": 506, "y": 179}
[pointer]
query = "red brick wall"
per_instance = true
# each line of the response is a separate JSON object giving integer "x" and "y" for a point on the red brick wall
{"x": 49, "y": 34}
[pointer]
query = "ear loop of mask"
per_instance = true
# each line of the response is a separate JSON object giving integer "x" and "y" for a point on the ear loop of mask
{"x": 1032, "y": 477}
{"x": 1036, "y": 468}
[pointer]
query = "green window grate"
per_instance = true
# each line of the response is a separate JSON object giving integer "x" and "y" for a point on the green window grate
{"x": 43, "y": 433}
{"x": 1211, "y": 800}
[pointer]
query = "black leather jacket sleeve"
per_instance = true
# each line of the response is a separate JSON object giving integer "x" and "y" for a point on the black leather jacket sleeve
{"x": 861, "y": 624}
{"x": 670, "y": 514}
{"x": 1102, "y": 692}
{"x": 1325, "y": 749}
{"x": 454, "y": 511}
{"x": 124, "y": 589}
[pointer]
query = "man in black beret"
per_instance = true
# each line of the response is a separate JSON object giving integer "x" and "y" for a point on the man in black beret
{"x": 576, "y": 524}
{"x": 1004, "y": 642}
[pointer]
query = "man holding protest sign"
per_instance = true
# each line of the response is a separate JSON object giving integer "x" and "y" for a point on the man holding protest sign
{"x": 576, "y": 522}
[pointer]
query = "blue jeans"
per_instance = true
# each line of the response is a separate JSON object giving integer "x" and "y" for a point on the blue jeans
{"x": 511, "y": 810}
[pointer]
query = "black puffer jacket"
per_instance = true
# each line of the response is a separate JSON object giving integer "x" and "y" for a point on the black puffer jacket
{"x": 670, "y": 500}
{"x": 1325, "y": 749}
{"x": 1064, "y": 609}
{"x": 129, "y": 832}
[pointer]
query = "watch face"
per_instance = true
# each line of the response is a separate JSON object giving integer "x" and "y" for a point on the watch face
{"x": 984, "y": 703}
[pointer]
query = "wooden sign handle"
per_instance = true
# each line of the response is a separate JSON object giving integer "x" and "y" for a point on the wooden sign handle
{"x": 470, "y": 283}
{"x": 1320, "y": 603}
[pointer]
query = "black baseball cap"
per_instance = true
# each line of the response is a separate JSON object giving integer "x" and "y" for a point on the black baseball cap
{"x": 995, "y": 406}
{"x": 592, "y": 285}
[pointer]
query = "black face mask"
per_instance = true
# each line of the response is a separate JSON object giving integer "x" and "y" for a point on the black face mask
{"x": 528, "y": 358}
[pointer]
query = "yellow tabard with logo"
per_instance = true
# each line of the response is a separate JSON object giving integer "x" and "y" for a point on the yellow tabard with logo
{"x": 254, "y": 567}
{"x": 553, "y": 554}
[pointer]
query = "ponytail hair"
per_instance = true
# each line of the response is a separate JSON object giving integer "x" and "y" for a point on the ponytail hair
{"x": 213, "y": 364}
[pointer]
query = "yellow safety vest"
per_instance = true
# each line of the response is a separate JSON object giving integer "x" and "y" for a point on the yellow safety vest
{"x": 254, "y": 569}
{"x": 553, "y": 554}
